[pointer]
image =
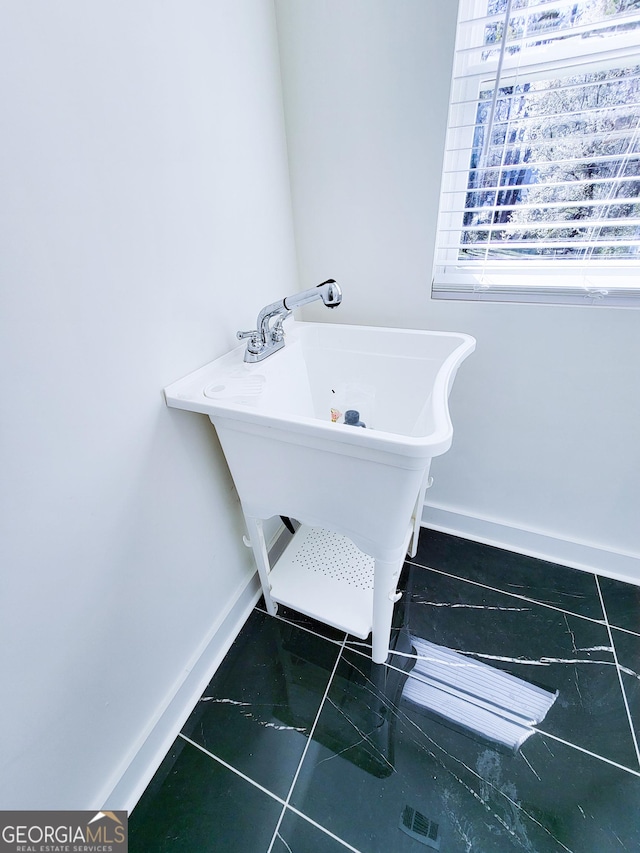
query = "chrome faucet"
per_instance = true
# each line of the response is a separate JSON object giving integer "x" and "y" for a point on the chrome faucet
{"x": 268, "y": 337}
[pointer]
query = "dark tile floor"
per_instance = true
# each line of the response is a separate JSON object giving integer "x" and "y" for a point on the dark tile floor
{"x": 301, "y": 744}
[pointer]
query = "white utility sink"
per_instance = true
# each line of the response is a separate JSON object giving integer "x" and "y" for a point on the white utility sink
{"x": 288, "y": 457}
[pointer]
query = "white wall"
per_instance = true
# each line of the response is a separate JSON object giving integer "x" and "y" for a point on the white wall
{"x": 145, "y": 216}
{"x": 546, "y": 411}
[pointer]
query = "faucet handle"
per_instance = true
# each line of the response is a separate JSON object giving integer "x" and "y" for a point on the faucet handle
{"x": 277, "y": 331}
{"x": 255, "y": 344}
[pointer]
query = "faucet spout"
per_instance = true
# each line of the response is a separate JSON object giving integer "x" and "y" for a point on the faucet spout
{"x": 329, "y": 291}
{"x": 268, "y": 337}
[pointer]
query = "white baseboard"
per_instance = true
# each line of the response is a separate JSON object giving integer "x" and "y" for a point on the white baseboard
{"x": 148, "y": 754}
{"x": 579, "y": 555}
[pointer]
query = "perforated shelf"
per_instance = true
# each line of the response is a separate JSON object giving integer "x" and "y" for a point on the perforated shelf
{"x": 324, "y": 575}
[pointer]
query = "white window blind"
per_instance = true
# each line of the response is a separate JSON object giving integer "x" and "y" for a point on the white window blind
{"x": 541, "y": 187}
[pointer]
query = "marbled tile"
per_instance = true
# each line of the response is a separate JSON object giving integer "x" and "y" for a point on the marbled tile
{"x": 376, "y": 757}
{"x": 481, "y": 799}
{"x": 628, "y": 653}
{"x": 297, "y": 835}
{"x": 549, "y": 795}
{"x": 257, "y": 711}
{"x": 622, "y": 603}
{"x": 568, "y": 589}
{"x": 303, "y": 621}
{"x": 201, "y": 807}
{"x": 538, "y": 644}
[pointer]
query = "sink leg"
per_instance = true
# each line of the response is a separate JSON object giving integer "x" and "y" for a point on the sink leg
{"x": 384, "y": 597}
{"x": 259, "y": 548}
{"x": 427, "y": 482}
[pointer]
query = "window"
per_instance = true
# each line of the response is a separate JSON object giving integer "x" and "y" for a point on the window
{"x": 541, "y": 187}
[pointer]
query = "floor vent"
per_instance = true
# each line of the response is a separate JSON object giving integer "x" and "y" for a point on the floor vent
{"x": 419, "y": 827}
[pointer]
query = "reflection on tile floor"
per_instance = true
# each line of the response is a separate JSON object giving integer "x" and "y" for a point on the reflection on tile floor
{"x": 300, "y": 743}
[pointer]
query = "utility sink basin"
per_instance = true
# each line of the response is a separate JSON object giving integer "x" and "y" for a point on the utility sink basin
{"x": 287, "y": 456}
{"x": 281, "y": 425}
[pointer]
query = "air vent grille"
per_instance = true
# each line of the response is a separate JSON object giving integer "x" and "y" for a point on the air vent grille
{"x": 420, "y": 828}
